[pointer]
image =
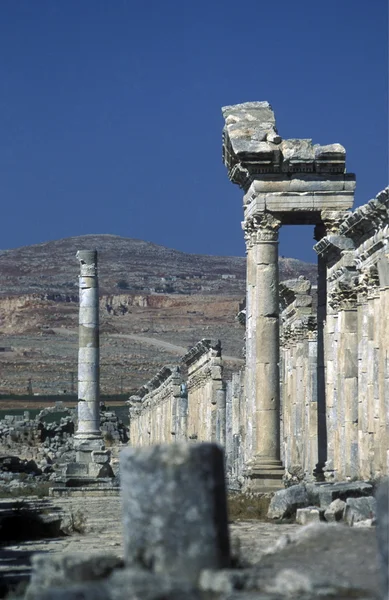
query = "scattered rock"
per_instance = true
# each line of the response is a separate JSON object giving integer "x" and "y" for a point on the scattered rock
{"x": 335, "y": 511}
{"x": 311, "y": 514}
{"x": 360, "y": 509}
{"x": 59, "y": 569}
{"x": 285, "y": 502}
{"x": 328, "y": 492}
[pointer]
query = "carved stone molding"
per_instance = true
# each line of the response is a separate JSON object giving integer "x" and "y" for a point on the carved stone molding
{"x": 262, "y": 227}
{"x": 304, "y": 328}
{"x": 344, "y": 293}
{"x": 367, "y": 219}
{"x": 368, "y": 284}
{"x": 332, "y": 220}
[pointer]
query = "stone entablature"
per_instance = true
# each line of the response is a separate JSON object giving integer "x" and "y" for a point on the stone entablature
{"x": 252, "y": 147}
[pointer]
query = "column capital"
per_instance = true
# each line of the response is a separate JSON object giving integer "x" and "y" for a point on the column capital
{"x": 88, "y": 262}
{"x": 368, "y": 283}
{"x": 333, "y": 219}
{"x": 343, "y": 295}
{"x": 261, "y": 227}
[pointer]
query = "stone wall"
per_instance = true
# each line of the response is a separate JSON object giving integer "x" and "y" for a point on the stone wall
{"x": 172, "y": 407}
{"x": 158, "y": 410}
{"x": 206, "y": 392}
{"x": 356, "y": 340}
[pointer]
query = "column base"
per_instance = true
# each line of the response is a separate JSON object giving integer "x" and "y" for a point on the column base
{"x": 263, "y": 474}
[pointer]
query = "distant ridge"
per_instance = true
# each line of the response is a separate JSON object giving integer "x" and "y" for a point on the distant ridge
{"x": 128, "y": 265}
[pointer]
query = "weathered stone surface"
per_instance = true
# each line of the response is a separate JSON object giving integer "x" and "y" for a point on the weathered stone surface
{"x": 311, "y": 514}
{"x": 360, "y": 509}
{"x": 285, "y": 502}
{"x": 61, "y": 569}
{"x": 335, "y": 511}
{"x": 331, "y": 491}
{"x": 174, "y": 508}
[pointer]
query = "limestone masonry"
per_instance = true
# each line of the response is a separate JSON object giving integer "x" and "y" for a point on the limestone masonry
{"x": 313, "y": 398}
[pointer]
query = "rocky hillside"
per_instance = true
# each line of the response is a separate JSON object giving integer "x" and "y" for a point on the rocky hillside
{"x": 127, "y": 265}
{"x": 154, "y": 304}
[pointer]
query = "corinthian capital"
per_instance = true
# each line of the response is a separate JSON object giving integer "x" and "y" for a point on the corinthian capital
{"x": 262, "y": 227}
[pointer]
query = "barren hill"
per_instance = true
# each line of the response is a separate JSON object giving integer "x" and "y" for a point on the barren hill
{"x": 155, "y": 303}
{"x": 127, "y": 264}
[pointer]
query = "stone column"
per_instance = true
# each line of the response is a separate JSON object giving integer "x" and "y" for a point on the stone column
{"x": 263, "y": 366}
{"x": 347, "y": 383}
{"x": 88, "y": 354}
{"x": 250, "y": 339}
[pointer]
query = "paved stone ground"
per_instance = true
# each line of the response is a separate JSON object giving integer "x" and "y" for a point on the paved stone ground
{"x": 329, "y": 555}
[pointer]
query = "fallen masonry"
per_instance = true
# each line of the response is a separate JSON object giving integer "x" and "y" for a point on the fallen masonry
{"x": 176, "y": 543}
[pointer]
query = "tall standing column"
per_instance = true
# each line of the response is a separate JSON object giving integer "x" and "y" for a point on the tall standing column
{"x": 264, "y": 372}
{"x": 88, "y": 353}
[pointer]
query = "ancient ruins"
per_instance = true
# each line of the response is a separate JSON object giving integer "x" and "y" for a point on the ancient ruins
{"x": 303, "y": 426}
{"x": 313, "y": 396}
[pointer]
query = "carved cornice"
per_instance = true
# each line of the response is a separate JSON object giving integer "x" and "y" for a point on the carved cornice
{"x": 262, "y": 227}
{"x": 367, "y": 219}
{"x": 201, "y": 348}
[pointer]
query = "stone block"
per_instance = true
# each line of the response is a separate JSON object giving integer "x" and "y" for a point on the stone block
{"x": 101, "y": 456}
{"x": 360, "y": 509}
{"x": 311, "y": 514}
{"x": 286, "y": 502}
{"x": 331, "y": 491}
{"x": 174, "y": 508}
{"x": 335, "y": 511}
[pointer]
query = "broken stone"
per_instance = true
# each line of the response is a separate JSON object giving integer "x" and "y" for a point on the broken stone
{"x": 335, "y": 511}
{"x": 331, "y": 491}
{"x": 360, "y": 509}
{"x": 59, "y": 569}
{"x": 285, "y": 502}
{"x": 311, "y": 514}
{"x": 174, "y": 508}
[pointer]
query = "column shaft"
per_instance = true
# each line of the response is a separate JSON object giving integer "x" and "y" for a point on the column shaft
{"x": 267, "y": 390}
{"x": 88, "y": 354}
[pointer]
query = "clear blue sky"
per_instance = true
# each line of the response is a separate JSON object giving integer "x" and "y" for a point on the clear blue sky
{"x": 110, "y": 115}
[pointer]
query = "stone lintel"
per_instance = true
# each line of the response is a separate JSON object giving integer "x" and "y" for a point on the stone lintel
{"x": 298, "y": 208}
{"x": 302, "y": 182}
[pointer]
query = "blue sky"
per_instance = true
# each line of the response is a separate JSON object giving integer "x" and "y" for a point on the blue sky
{"x": 110, "y": 116}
